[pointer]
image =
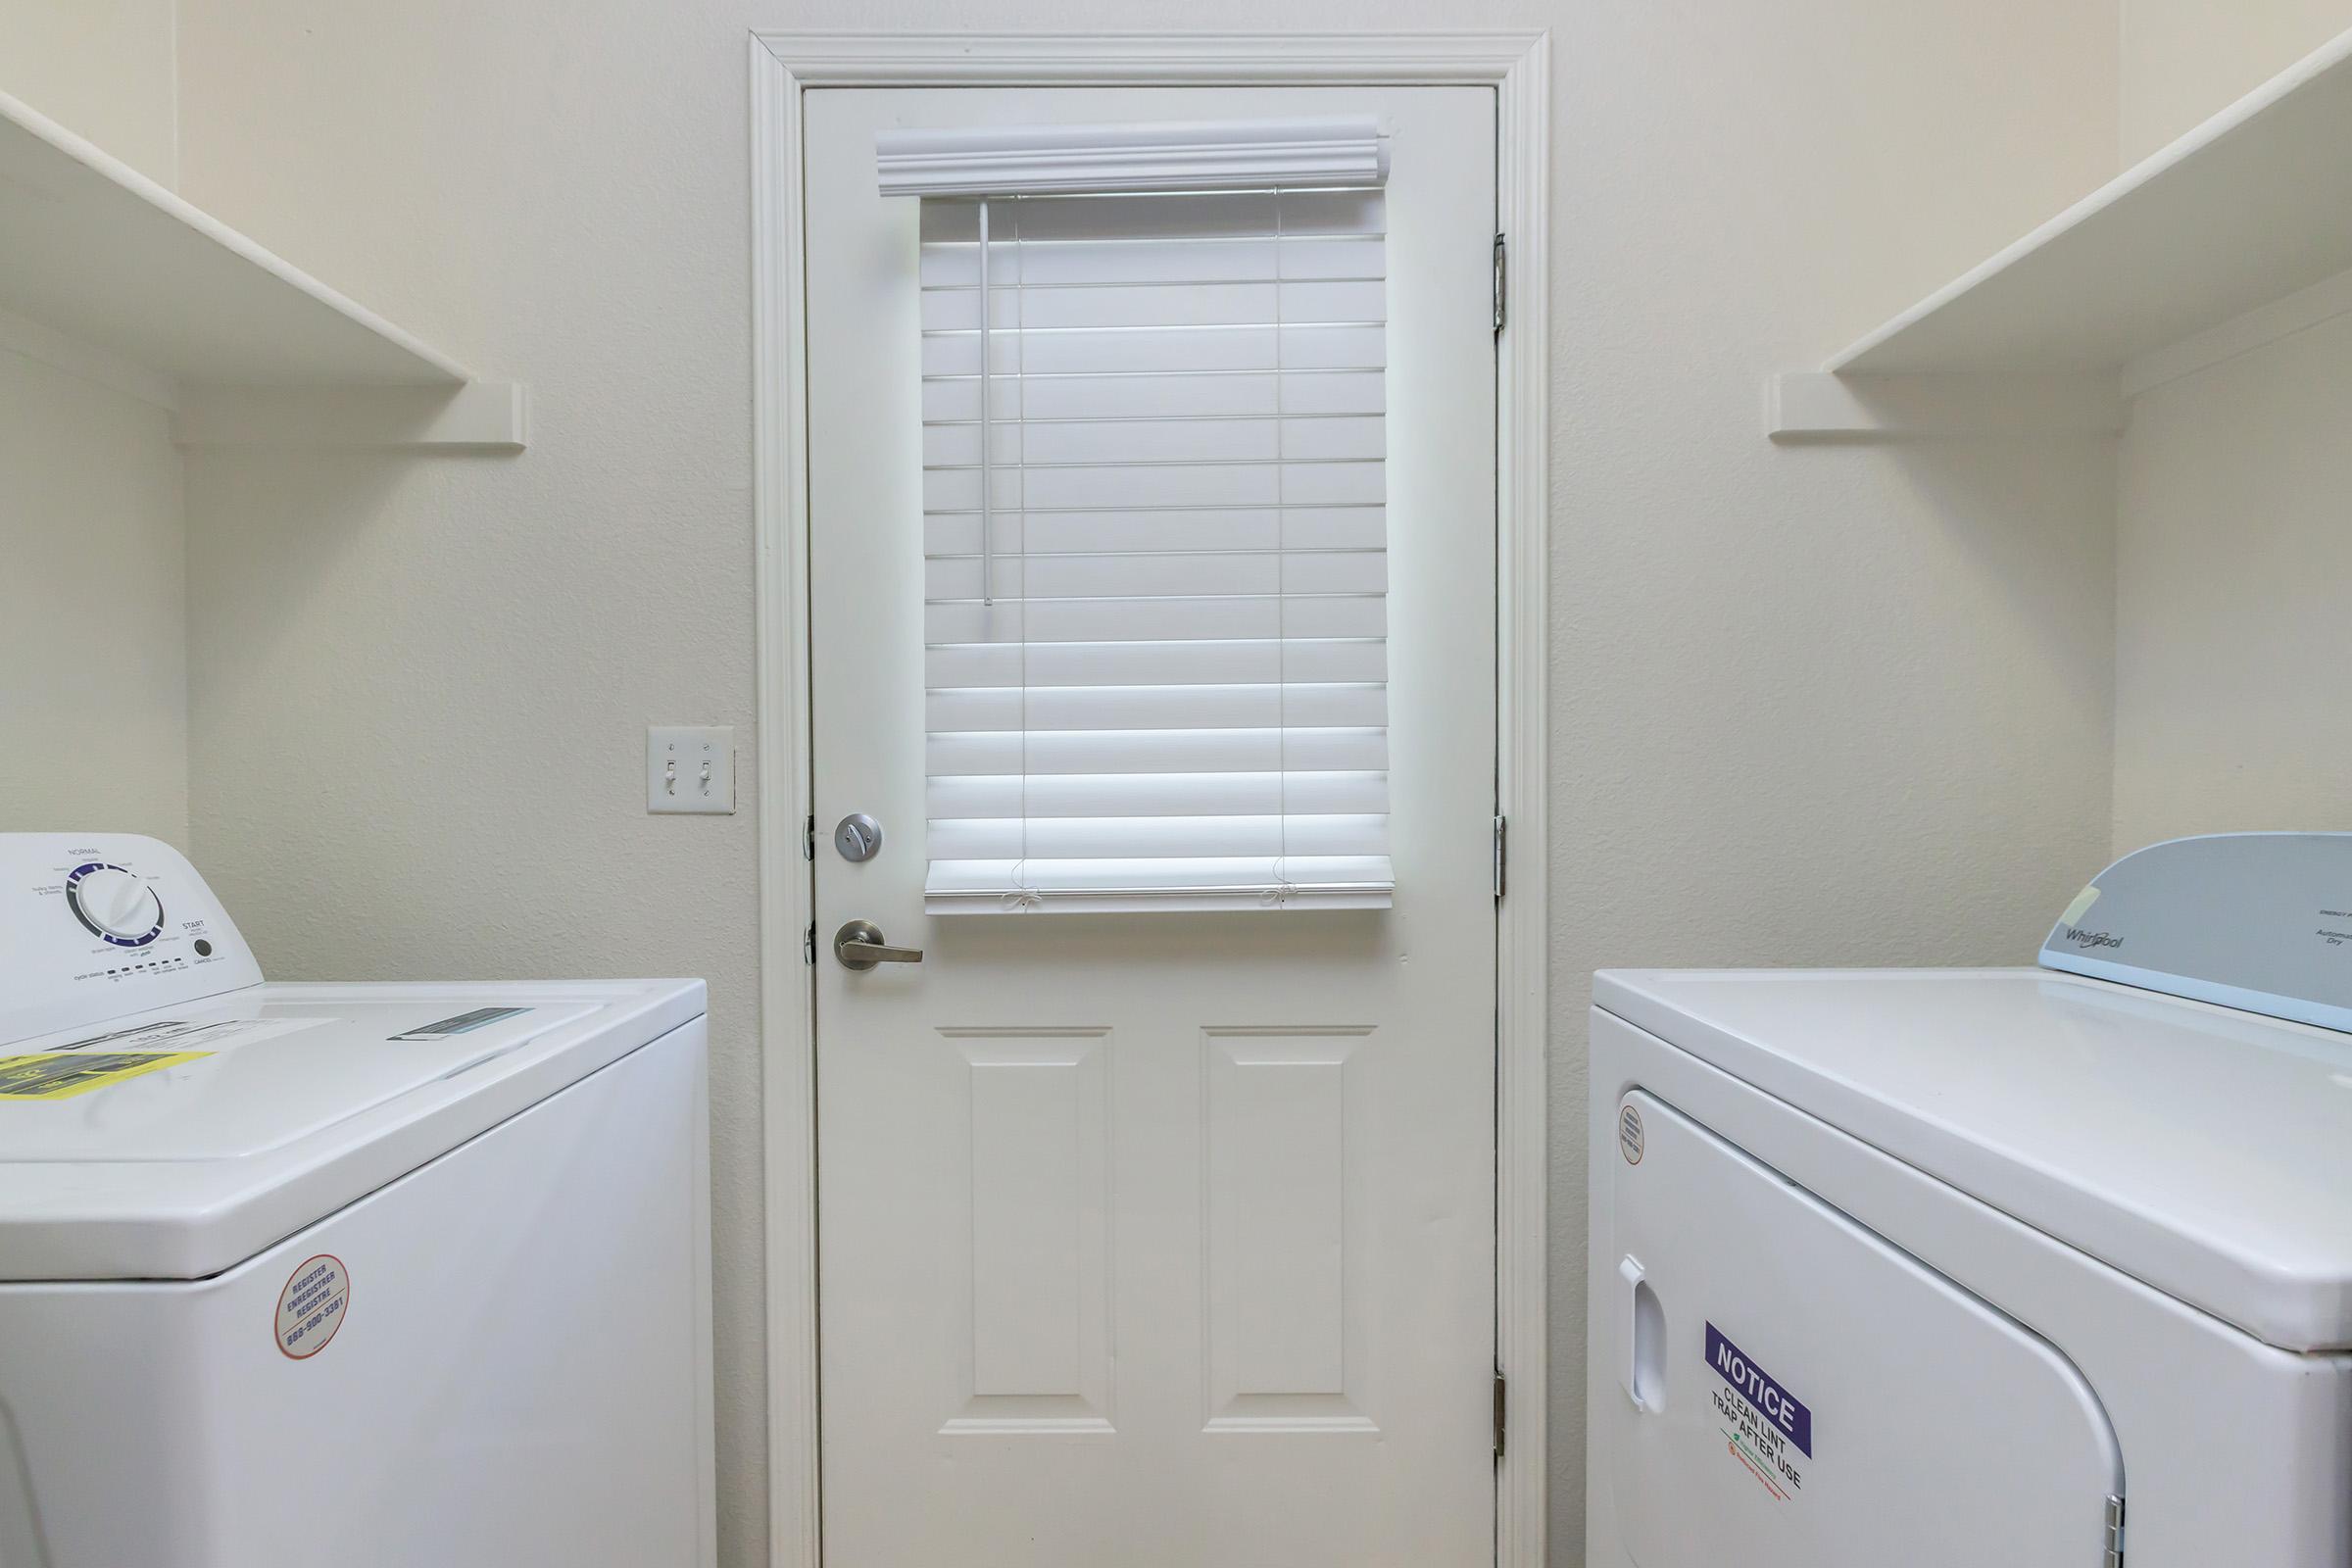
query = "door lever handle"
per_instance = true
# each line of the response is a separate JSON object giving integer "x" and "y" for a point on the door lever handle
{"x": 859, "y": 945}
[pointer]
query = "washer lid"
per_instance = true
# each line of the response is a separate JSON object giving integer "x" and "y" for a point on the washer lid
{"x": 2204, "y": 1151}
{"x": 240, "y": 1080}
{"x": 179, "y": 1142}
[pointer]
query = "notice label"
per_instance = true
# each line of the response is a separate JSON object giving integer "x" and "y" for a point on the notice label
{"x": 55, "y": 1075}
{"x": 1765, "y": 1427}
{"x": 310, "y": 1309}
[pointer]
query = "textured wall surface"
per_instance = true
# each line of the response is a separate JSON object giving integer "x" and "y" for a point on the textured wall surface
{"x": 1829, "y": 704}
{"x": 2234, "y": 580}
{"x": 2234, "y": 590}
{"x": 93, "y": 628}
{"x": 93, "y": 610}
{"x": 2183, "y": 60}
{"x": 102, "y": 68}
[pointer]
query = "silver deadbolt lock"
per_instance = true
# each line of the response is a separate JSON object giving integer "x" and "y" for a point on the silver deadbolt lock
{"x": 858, "y": 836}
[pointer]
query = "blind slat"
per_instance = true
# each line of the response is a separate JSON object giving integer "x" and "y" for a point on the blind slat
{"x": 1122, "y": 307}
{"x": 1031, "y": 263}
{"x": 1197, "y": 530}
{"x": 1206, "y": 531}
{"x": 1160, "y": 574}
{"x": 1232, "y": 394}
{"x": 1064, "y": 443}
{"x": 1114, "y": 886}
{"x": 1265, "y": 792}
{"x": 1105, "y": 620}
{"x": 1209, "y": 661}
{"x": 1035, "y": 752}
{"x": 1276, "y": 704}
{"x": 1094, "y": 351}
{"x": 1061, "y": 838}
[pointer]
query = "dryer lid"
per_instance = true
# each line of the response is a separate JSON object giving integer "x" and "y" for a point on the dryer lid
{"x": 2204, "y": 1151}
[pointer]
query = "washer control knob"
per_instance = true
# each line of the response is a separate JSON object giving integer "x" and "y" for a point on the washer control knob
{"x": 115, "y": 903}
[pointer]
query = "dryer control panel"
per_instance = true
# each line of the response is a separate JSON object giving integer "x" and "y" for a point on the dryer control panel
{"x": 96, "y": 926}
{"x": 2261, "y": 921}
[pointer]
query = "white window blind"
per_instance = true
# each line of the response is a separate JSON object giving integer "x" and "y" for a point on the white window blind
{"x": 1155, "y": 549}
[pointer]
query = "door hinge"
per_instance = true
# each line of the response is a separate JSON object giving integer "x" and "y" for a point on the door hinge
{"x": 1502, "y": 850}
{"x": 1501, "y": 276}
{"x": 2115, "y": 1532}
{"x": 809, "y": 944}
{"x": 808, "y": 838}
{"x": 1501, "y": 1388}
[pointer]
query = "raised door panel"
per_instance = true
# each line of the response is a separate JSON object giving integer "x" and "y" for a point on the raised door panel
{"x": 1033, "y": 1124}
{"x": 1281, "y": 1282}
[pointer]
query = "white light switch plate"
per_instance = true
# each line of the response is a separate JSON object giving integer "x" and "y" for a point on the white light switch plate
{"x": 690, "y": 769}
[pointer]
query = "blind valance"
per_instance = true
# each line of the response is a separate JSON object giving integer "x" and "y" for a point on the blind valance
{"x": 1125, "y": 159}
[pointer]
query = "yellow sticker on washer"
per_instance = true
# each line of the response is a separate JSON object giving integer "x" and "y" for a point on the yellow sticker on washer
{"x": 62, "y": 1074}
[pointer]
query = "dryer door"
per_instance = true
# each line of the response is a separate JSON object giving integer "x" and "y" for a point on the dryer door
{"x": 1796, "y": 1392}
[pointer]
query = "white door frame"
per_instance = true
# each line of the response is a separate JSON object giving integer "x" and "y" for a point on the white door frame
{"x": 1517, "y": 64}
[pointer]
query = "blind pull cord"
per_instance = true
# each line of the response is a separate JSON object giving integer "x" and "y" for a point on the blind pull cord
{"x": 988, "y": 543}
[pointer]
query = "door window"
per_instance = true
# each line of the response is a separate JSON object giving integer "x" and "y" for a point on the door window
{"x": 1154, "y": 547}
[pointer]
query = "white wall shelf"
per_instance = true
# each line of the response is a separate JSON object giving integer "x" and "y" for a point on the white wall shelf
{"x": 2229, "y": 236}
{"x": 106, "y": 274}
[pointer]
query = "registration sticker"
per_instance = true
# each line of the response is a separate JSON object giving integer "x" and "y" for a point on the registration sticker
{"x": 57, "y": 1075}
{"x": 310, "y": 1309}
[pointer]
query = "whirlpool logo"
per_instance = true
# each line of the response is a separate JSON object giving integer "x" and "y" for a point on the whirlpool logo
{"x": 2092, "y": 939}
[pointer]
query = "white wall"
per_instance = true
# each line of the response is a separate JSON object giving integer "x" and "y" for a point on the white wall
{"x": 1811, "y": 706}
{"x": 93, "y": 677}
{"x": 2234, "y": 585}
{"x": 2233, "y": 562}
{"x": 93, "y": 610}
{"x": 2186, "y": 60}
{"x": 103, "y": 69}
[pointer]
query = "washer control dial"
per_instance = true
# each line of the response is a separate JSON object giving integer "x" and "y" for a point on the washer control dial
{"x": 115, "y": 903}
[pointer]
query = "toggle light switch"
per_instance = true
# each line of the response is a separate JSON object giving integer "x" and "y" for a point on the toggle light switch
{"x": 690, "y": 769}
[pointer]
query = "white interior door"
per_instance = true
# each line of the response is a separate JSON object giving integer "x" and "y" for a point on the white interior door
{"x": 1160, "y": 1237}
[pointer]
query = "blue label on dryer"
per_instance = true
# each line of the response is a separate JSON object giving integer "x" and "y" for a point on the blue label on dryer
{"x": 1779, "y": 1407}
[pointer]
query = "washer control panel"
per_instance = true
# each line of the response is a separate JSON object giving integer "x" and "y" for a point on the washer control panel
{"x": 96, "y": 926}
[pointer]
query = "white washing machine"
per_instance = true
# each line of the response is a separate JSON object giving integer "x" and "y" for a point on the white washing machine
{"x": 405, "y": 1276}
{"x": 2006, "y": 1268}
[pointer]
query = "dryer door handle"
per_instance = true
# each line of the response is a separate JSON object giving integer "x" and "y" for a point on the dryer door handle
{"x": 1641, "y": 1370}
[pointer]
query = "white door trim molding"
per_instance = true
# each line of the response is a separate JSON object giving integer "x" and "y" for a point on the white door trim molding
{"x": 783, "y": 65}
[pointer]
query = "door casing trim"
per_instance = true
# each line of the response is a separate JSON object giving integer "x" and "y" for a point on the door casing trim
{"x": 784, "y": 64}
